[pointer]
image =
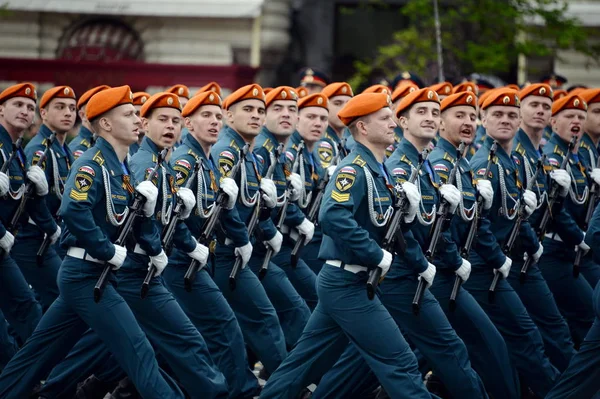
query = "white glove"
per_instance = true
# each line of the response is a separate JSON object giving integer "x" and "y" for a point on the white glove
{"x": 530, "y": 202}
{"x": 538, "y": 254}
{"x": 37, "y": 176}
{"x": 4, "y": 184}
{"x": 275, "y": 243}
{"x": 188, "y": 200}
{"x": 230, "y": 188}
{"x": 159, "y": 261}
{"x": 429, "y": 274}
{"x": 451, "y": 194}
{"x": 150, "y": 192}
{"x": 296, "y": 186}
{"x": 505, "y": 268}
{"x": 55, "y": 236}
{"x": 200, "y": 253}
{"x": 7, "y": 241}
{"x": 596, "y": 175}
{"x": 331, "y": 170}
{"x": 244, "y": 252}
{"x": 414, "y": 198}
{"x": 464, "y": 271}
{"x": 484, "y": 188}
{"x": 269, "y": 192}
{"x": 385, "y": 263}
{"x": 119, "y": 257}
{"x": 308, "y": 229}
{"x": 563, "y": 179}
{"x": 583, "y": 246}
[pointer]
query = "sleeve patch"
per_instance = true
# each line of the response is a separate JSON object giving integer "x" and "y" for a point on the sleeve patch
{"x": 344, "y": 181}
{"x": 339, "y": 197}
{"x": 517, "y": 160}
{"x": 348, "y": 169}
{"x": 554, "y": 162}
{"x": 77, "y": 153}
{"x": 399, "y": 172}
{"x": 88, "y": 170}
{"x": 325, "y": 153}
{"x": 225, "y": 166}
{"x": 481, "y": 173}
{"x": 289, "y": 156}
{"x": 183, "y": 163}
{"x": 83, "y": 182}
{"x": 440, "y": 168}
{"x": 227, "y": 154}
{"x": 78, "y": 196}
{"x": 181, "y": 174}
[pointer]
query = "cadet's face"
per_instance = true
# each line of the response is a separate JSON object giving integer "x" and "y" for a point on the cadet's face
{"x": 138, "y": 108}
{"x": 592, "y": 123}
{"x": 204, "y": 124}
{"x": 247, "y": 117}
{"x": 335, "y": 105}
{"x": 459, "y": 124}
{"x": 282, "y": 117}
{"x": 124, "y": 124}
{"x": 17, "y": 113}
{"x": 312, "y": 123}
{"x": 423, "y": 120}
{"x": 536, "y": 111}
{"x": 163, "y": 126}
{"x": 380, "y": 127}
{"x": 569, "y": 123}
{"x": 502, "y": 122}
{"x": 60, "y": 114}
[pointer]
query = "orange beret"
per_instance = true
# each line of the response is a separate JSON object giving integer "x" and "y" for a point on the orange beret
{"x": 403, "y": 89}
{"x": 419, "y": 96}
{"x": 88, "y": 94}
{"x": 378, "y": 89}
{"x": 514, "y": 86}
{"x": 559, "y": 93}
{"x": 205, "y": 98}
{"x": 361, "y": 105}
{"x": 314, "y": 100}
{"x": 108, "y": 99}
{"x": 281, "y": 93}
{"x": 442, "y": 89}
{"x": 212, "y": 86}
{"x": 337, "y": 89}
{"x": 26, "y": 90}
{"x": 577, "y": 91}
{"x": 267, "y": 90}
{"x": 56, "y": 92}
{"x": 248, "y": 92}
{"x": 590, "y": 96}
{"x": 140, "y": 97}
{"x": 485, "y": 95}
{"x": 537, "y": 89}
{"x": 455, "y": 100}
{"x": 180, "y": 90}
{"x": 571, "y": 101}
{"x": 302, "y": 92}
{"x": 160, "y": 100}
{"x": 465, "y": 86}
{"x": 502, "y": 96}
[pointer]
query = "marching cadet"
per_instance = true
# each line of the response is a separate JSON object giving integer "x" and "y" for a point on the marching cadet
{"x": 419, "y": 115}
{"x": 212, "y": 86}
{"x": 403, "y": 90}
{"x": 85, "y": 139}
{"x": 139, "y": 98}
{"x": 17, "y": 302}
{"x": 536, "y": 109}
{"x": 573, "y": 295}
{"x": 95, "y": 203}
{"x": 257, "y": 317}
{"x": 443, "y": 89}
{"x": 313, "y": 80}
{"x": 313, "y": 114}
{"x": 507, "y": 312}
{"x": 292, "y": 302}
{"x": 214, "y": 318}
{"x": 465, "y": 86}
{"x": 58, "y": 111}
{"x": 353, "y": 219}
{"x": 182, "y": 91}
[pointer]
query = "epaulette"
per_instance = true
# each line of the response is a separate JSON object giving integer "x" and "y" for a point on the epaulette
{"x": 98, "y": 158}
{"x": 359, "y": 161}
{"x": 154, "y": 158}
{"x": 405, "y": 159}
{"x": 583, "y": 144}
{"x": 558, "y": 151}
{"x": 234, "y": 145}
{"x": 268, "y": 145}
{"x": 192, "y": 153}
{"x": 448, "y": 157}
{"x": 85, "y": 143}
{"x": 520, "y": 149}
{"x": 295, "y": 147}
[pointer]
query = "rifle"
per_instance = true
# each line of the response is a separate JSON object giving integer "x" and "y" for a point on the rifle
{"x": 168, "y": 232}
{"x": 211, "y": 224}
{"x": 29, "y": 188}
{"x": 466, "y": 249}
{"x": 393, "y": 240}
{"x": 514, "y": 233}
{"x": 260, "y": 211}
{"x": 126, "y": 227}
{"x": 440, "y": 219}
{"x": 16, "y": 146}
{"x": 545, "y": 219}
{"x": 282, "y": 215}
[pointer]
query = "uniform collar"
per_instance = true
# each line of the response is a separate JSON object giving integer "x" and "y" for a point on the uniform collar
{"x": 523, "y": 139}
{"x": 45, "y": 132}
{"x": 556, "y": 140}
{"x": 85, "y": 133}
{"x": 267, "y": 135}
{"x": 500, "y": 153}
{"x": 368, "y": 157}
{"x": 398, "y": 134}
{"x": 409, "y": 151}
{"x": 5, "y": 138}
{"x": 194, "y": 145}
{"x": 588, "y": 142}
{"x": 111, "y": 161}
{"x": 332, "y": 135}
{"x": 296, "y": 138}
{"x": 149, "y": 145}
{"x": 235, "y": 136}
{"x": 447, "y": 146}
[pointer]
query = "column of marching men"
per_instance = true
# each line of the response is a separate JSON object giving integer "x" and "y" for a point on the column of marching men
{"x": 404, "y": 242}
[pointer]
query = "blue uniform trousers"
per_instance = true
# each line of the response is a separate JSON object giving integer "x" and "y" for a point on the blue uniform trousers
{"x": 430, "y": 332}
{"x": 68, "y": 318}
{"x": 310, "y": 256}
{"x": 540, "y": 304}
{"x": 292, "y": 311}
{"x": 590, "y": 269}
{"x": 253, "y": 309}
{"x": 302, "y": 277}
{"x": 344, "y": 312}
{"x": 8, "y": 345}
{"x": 520, "y": 333}
{"x": 582, "y": 377}
{"x": 573, "y": 295}
{"x": 213, "y": 317}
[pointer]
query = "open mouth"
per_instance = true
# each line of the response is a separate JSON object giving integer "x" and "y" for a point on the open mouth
{"x": 169, "y": 136}
{"x": 213, "y": 131}
{"x": 575, "y": 129}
